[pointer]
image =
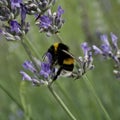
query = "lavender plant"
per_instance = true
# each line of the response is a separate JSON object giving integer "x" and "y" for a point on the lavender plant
{"x": 14, "y": 27}
{"x": 110, "y": 50}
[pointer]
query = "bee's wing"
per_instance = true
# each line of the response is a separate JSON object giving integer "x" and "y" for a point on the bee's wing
{"x": 71, "y": 55}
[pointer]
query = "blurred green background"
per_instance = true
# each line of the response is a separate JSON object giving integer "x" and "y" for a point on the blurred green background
{"x": 84, "y": 21}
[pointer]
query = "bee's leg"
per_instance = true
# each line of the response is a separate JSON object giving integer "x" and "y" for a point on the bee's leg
{"x": 58, "y": 73}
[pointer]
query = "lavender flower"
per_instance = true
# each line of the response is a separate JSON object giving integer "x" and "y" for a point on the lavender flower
{"x": 114, "y": 40}
{"x": 49, "y": 57}
{"x": 35, "y": 76}
{"x": 87, "y": 60}
{"x": 5, "y": 11}
{"x": 15, "y": 3}
{"x": 104, "y": 39}
{"x": 106, "y": 48}
{"x": 97, "y": 50}
{"x": 58, "y": 18}
{"x": 45, "y": 22}
{"x": 15, "y": 26}
{"x": 60, "y": 11}
{"x": 28, "y": 65}
{"x": 11, "y": 10}
{"x": 39, "y": 77}
{"x": 23, "y": 14}
{"x": 25, "y": 76}
{"x": 85, "y": 63}
{"x": 85, "y": 48}
{"x": 110, "y": 51}
{"x": 43, "y": 4}
{"x": 30, "y": 79}
{"x": 45, "y": 70}
{"x": 12, "y": 29}
{"x": 38, "y": 7}
{"x": 51, "y": 23}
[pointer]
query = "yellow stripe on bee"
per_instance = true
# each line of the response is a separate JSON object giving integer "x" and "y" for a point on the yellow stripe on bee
{"x": 56, "y": 46}
{"x": 68, "y": 61}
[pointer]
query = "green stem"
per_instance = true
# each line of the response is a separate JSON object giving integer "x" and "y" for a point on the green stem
{"x": 59, "y": 100}
{"x": 97, "y": 98}
{"x": 31, "y": 47}
{"x": 29, "y": 54}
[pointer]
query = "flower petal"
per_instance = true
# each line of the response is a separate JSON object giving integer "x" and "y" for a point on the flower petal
{"x": 25, "y": 76}
{"x": 114, "y": 40}
{"x": 45, "y": 69}
{"x": 29, "y": 66}
{"x": 97, "y": 50}
{"x": 85, "y": 48}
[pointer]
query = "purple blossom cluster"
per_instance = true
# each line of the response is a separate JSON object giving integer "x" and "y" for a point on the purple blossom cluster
{"x": 110, "y": 49}
{"x": 10, "y": 12}
{"x": 85, "y": 62}
{"x": 106, "y": 49}
{"x": 13, "y": 15}
{"x": 42, "y": 76}
{"x": 51, "y": 23}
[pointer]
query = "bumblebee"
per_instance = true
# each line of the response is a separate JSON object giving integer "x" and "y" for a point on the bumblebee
{"x": 61, "y": 56}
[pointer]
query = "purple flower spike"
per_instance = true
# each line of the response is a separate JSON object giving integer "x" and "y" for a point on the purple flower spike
{"x": 45, "y": 69}
{"x": 97, "y": 50}
{"x": 45, "y": 22}
{"x": 49, "y": 57}
{"x": 15, "y": 3}
{"x": 104, "y": 39}
{"x": 114, "y": 40}
{"x": 25, "y": 76}
{"x": 29, "y": 66}
{"x": 60, "y": 11}
{"x": 23, "y": 13}
{"x": 90, "y": 58}
{"x": 106, "y": 49}
{"x": 15, "y": 27}
{"x": 85, "y": 48}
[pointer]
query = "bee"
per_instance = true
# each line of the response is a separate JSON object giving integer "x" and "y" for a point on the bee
{"x": 61, "y": 56}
